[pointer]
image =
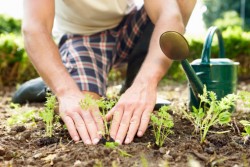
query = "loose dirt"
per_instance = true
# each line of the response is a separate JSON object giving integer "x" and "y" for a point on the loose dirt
{"x": 25, "y": 144}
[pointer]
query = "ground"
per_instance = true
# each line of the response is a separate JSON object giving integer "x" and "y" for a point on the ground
{"x": 25, "y": 144}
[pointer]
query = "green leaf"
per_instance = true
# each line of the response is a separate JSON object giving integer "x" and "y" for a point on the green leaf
{"x": 224, "y": 117}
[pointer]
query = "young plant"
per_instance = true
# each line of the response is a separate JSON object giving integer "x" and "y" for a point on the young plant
{"x": 20, "y": 117}
{"x": 162, "y": 123}
{"x": 246, "y": 134}
{"x": 114, "y": 145}
{"x": 87, "y": 102}
{"x": 105, "y": 105}
{"x": 48, "y": 113}
{"x": 210, "y": 112}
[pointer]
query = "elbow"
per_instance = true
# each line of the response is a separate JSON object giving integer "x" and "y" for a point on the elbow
{"x": 30, "y": 29}
{"x": 174, "y": 21}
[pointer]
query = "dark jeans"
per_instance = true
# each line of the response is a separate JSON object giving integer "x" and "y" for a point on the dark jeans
{"x": 137, "y": 56}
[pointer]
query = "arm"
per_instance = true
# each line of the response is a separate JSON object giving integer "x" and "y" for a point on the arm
{"x": 131, "y": 115}
{"x": 44, "y": 54}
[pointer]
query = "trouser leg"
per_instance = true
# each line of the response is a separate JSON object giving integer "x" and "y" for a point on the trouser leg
{"x": 137, "y": 56}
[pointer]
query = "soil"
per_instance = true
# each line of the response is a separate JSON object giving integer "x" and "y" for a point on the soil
{"x": 25, "y": 144}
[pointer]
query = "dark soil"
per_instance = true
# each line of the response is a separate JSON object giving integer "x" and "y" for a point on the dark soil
{"x": 25, "y": 144}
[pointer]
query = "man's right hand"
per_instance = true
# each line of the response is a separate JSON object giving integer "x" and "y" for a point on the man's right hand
{"x": 82, "y": 124}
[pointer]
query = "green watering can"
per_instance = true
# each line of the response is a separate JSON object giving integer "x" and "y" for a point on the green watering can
{"x": 218, "y": 74}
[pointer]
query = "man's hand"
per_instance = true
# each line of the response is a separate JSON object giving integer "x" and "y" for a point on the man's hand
{"x": 82, "y": 124}
{"x": 131, "y": 114}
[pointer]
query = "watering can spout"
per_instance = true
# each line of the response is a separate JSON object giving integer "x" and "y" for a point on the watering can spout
{"x": 175, "y": 46}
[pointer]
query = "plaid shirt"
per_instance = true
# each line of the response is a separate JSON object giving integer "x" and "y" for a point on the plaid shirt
{"x": 89, "y": 59}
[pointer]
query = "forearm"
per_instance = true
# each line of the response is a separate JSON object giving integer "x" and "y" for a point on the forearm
{"x": 45, "y": 57}
{"x": 156, "y": 63}
{"x": 167, "y": 15}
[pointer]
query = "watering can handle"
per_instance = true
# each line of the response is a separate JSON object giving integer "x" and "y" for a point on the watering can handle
{"x": 206, "y": 52}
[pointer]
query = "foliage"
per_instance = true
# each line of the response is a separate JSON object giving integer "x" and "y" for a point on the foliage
{"x": 210, "y": 112}
{"x": 14, "y": 63}
{"x": 9, "y": 24}
{"x": 21, "y": 117}
{"x": 246, "y": 134}
{"x": 48, "y": 113}
{"x": 162, "y": 123}
{"x": 229, "y": 19}
{"x": 215, "y": 10}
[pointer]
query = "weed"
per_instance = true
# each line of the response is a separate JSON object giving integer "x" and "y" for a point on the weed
{"x": 162, "y": 123}
{"x": 210, "y": 112}
{"x": 48, "y": 113}
{"x": 246, "y": 134}
{"x": 114, "y": 145}
{"x": 21, "y": 117}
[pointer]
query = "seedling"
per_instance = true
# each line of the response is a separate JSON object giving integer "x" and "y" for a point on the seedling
{"x": 105, "y": 105}
{"x": 114, "y": 145}
{"x": 21, "y": 117}
{"x": 210, "y": 112}
{"x": 48, "y": 113}
{"x": 246, "y": 134}
{"x": 87, "y": 102}
{"x": 162, "y": 123}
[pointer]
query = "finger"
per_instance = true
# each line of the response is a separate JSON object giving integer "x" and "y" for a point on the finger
{"x": 81, "y": 128}
{"x": 124, "y": 125}
{"x": 144, "y": 123}
{"x": 116, "y": 121}
{"x": 71, "y": 127}
{"x": 98, "y": 120}
{"x": 133, "y": 127}
{"x": 109, "y": 115}
{"x": 90, "y": 125}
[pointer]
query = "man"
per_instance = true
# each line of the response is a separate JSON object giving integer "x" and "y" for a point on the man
{"x": 92, "y": 37}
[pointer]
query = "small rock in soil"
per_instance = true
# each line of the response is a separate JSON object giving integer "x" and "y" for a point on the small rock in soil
{"x": 2, "y": 151}
{"x": 219, "y": 140}
{"x": 163, "y": 150}
{"x": 18, "y": 129}
{"x": 31, "y": 161}
{"x": 26, "y": 135}
{"x": 47, "y": 141}
{"x": 38, "y": 155}
{"x": 57, "y": 159}
{"x": 209, "y": 150}
{"x": 8, "y": 155}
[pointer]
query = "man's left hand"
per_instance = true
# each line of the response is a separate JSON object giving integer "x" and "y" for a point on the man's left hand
{"x": 131, "y": 114}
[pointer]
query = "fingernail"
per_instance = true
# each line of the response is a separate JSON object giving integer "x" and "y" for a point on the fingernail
{"x": 127, "y": 140}
{"x": 95, "y": 141}
{"x": 139, "y": 133}
{"x": 118, "y": 141}
{"x": 88, "y": 141}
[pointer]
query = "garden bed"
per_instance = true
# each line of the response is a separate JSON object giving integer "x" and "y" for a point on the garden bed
{"x": 24, "y": 145}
